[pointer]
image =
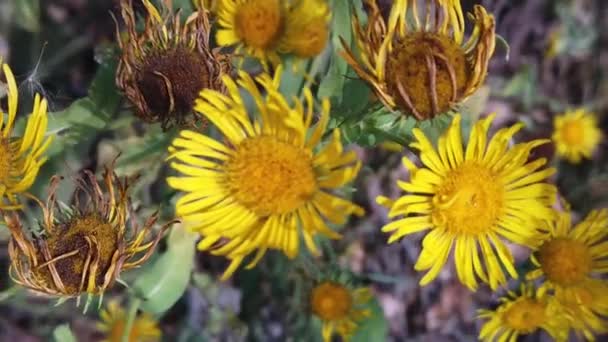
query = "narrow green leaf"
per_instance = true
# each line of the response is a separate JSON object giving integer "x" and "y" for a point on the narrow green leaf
{"x": 374, "y": 328}
{"x": 27, "y": 15}
{"x": 165, "y": 279}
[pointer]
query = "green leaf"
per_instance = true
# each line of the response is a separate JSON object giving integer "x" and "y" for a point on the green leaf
{"x": 374, "y": 328}
{"x": 165, "y": 279}
{"x": 63, "y": 333}
{"x": 27, "y": 15}
{"x": 103, "y": 91}
{"x": 291, "y": 80}
{"x": 333, "y": 84}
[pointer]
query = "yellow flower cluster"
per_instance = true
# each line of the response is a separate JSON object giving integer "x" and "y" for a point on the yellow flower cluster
{"x": 264, "y": 29}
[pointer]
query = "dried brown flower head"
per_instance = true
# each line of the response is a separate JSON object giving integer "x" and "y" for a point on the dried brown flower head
{"x": 84, "y": 247}
{"x": 417, "y": 61}
{"x": 163, "y": 68}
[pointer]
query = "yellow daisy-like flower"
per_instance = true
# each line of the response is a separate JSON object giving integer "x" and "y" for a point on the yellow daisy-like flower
{"x": 114, "y": 318}
{"x": 571, "y": 261}
{"x": 418, "y": 61}
{"x": 267, "y": 184}
{"x": 524, "y": 313}
{"x": 20, "y": 157}
{"x": 339, "y": 307}
{"x": 264, "y": 29}
{"x": 576, "y": 135}
{"x": 587, "y": 305}
{"x": 472, "y": 198}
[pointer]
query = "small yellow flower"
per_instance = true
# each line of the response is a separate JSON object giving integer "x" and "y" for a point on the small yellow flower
{"x": 587, "y": 305}
{"x": 266, "y": 28}
{"x": 339, "y": 307}
{"x": 576, "y": 135}
{"x": 472, "y": 198}
{"x": 417, "y": 61}
{"x": 82, "y": 248}
{"x": 524, "y": 313}
{"x": 20, "y": 157}
{"x": 269, "y": 184}
{"x": 572, "y": 261}
{"x": 163, "y": 68}
{"x": 113, "y": 321}
{"x": 569, "y": 256}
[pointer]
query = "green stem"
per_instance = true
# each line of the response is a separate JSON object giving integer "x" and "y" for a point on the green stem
{"x": 390, "y": 136}
{"x": 134, "y": 306}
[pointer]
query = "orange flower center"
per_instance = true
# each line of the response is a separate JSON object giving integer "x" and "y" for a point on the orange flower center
{"x": 565, "y": 261}
{"x": 426, "y": 74}
{"x": 259, "y": 22}
{"x": 573, "y": 132}
{"x": 311, "y": 40}
{"x": 525, "y": 315}
{"x": 331, "y": 301}
{"x": 469, "y": 201}
{"x": 270, "y": 176}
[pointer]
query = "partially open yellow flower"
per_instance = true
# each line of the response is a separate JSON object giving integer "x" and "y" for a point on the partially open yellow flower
{"x": 339, "y": 307}
{"x": 472, "y": 198}
{"x": 271, "y": 182}
{"x": 418, "y": 61}
{"x": 587, "y": 305}
{"x": 20, "y": 157}
{"x": 570, "y": 256}
{"x": 163, "y": 68}
{"x": 114, "y": 318}
{"x": 83, "y": 247}
{"x": 576, "y": 135}
{"x": 522, "y": 314}
{"x": 264, "y": 29}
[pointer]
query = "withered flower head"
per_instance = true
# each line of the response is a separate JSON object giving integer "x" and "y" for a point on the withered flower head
{"x": 417, "y": 61}
{"x": 84, "y": 247}
{"x": 163, "y": 68}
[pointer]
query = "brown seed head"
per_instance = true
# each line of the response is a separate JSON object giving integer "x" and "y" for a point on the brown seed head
{"x": 428, "y": 74}
{"x": 170, "y": 82}
{"x": 163, "y": 68}
{"x": 418, "y": 61}
{"x": 82, "y": 249}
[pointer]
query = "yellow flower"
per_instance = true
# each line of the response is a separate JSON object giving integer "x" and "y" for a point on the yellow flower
{"x": 268, "y": 184}
{"x": 572, "y": 260}
{"x": 163, "y": 68}
{"x": 339, "y": 307}
{"x": 114, "y": 318}
{"x": 570, "y": 256}
{"x": 576, "y": 134}
{"x": 418, "y": 61}
{"x": 84, "y": 247}
{"x": 472, "y": 197}
{"x": 524, "y": 313}
{"x": 20, "y": 157}
{"x": 587, "y": 305}
{"x": 266, "y": 28}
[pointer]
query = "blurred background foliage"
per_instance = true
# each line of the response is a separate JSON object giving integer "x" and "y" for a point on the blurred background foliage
{"x": 556, "y": 58}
